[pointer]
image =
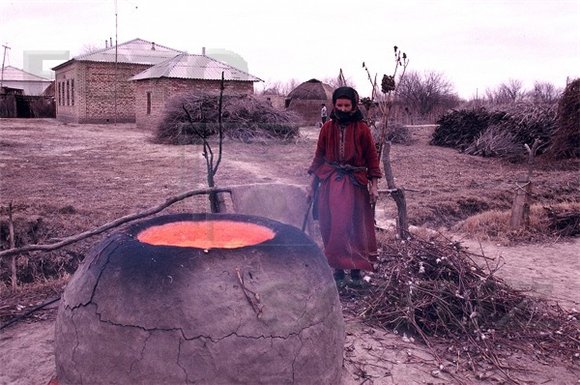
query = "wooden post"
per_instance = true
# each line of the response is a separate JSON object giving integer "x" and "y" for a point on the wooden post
{"x": 397, "y": 194}
{"x": 521, "y": 205}
{"x": 14, "y": 277}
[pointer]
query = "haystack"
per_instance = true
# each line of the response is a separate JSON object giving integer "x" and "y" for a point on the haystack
{"x": 566, "y": 139}
{"x": 306, "y": 100}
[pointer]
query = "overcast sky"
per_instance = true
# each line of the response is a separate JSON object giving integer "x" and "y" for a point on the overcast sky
{"x": 475, "y": 44}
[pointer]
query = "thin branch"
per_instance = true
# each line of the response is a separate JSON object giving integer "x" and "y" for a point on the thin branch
{"x": 117, "y": 222}
{"x": 220, "y": 126}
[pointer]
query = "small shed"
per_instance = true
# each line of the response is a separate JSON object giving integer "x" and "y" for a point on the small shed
{"x": 184, "y": 73}
{"x": 25, "y": 95}
{"x": 307, "y": 98}
{"x": 30, "y": 84}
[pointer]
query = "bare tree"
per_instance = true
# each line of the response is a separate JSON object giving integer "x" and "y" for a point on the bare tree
{"x": 279, "y": 88}
{"x": 339, "y": 81}
{"x": 212, "y": 164}
{"x": 89, "y": 48}
{"x": 544, "y": 92}
{"x": 426, "y": 94}
{"x": 384, "y": 100}
{"x": 506, "y": 93}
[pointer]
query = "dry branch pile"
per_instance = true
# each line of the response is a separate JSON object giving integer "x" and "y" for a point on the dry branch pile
{"x": 244, "y": 118}
{"x": 563, "y": 223}
{"x": 436, "y": 290}
{"x": 498, "y": 131}
{"x": 30, "y": 230}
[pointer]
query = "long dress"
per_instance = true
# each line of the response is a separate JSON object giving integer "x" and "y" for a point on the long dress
{"x": 345, "y": 159}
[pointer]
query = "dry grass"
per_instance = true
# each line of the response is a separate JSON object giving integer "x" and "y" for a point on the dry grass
{"x": 494, "y": 225}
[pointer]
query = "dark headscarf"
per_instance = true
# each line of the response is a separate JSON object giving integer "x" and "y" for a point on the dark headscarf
{"x": 345, "y": 117}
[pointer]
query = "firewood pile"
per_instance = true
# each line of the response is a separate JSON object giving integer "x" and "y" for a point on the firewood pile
{"x": 497, "y": 131}
{"x": 435, "y": 290}
{"x": 563, "y": 223}
{"x": 244, "y": 117}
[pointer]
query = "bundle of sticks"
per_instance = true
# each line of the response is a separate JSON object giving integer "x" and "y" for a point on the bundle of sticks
{"x": 439, "y": 291}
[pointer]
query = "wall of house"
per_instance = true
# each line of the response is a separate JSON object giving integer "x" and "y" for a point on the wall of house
{"x": 67, "y": 110}
{"x": 162, "y": 90}
{"x": 94, "y": 98}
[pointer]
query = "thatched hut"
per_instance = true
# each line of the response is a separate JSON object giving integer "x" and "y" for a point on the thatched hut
{"x": 307, "y": 98}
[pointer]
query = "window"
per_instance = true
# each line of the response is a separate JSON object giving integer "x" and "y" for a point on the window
{"x": 67, "y": 93}
{"x": 59, "y": 96}
{"x": 148, "y": 103}
{"x": 72, "y": 92}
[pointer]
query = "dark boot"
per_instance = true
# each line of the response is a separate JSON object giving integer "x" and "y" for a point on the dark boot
{"x": 356, "y": 280}
{"x": 339, "y": 277}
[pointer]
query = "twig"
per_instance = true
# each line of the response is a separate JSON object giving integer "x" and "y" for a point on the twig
{"x": 255, "y": 301}
{"x": 29, "y": 312}
{"x": 12, "y": 246}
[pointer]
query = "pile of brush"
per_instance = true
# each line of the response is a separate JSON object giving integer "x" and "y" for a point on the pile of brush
{"x": 436, "y": 290}
{"x": 498, "y": 131}
{"x": 189, "y": 118}
{"x": 566, "y": 139}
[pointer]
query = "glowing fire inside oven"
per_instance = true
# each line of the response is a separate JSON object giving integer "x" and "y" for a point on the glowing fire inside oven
{"x": 214, "y": 234}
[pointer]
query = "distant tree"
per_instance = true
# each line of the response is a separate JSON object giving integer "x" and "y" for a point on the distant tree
{"x": 279, "y": 88}
{"x": 89, "y": 48}
{"x": 425, "y": 94}
{"x": 335, "y": 82}
{"x": 506, "y": 93}
{"x": 544, "y": 92}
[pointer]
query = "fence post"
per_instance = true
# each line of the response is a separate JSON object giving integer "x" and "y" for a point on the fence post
{"x": 521, "y": 207}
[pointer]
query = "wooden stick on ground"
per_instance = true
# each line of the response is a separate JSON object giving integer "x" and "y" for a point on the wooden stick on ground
{"x": 12, "y": 246}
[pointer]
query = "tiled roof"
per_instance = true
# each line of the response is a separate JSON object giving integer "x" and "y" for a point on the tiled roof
{"x": 16, "y": 74}
{"x": 189, "y": 66}
{"x": 136, "y": 51}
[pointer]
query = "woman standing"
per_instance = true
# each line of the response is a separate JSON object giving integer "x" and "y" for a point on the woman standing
{"x": 345, "y": 172}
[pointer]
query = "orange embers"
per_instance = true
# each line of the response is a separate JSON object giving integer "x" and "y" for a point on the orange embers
{"x": 206, "y": 234}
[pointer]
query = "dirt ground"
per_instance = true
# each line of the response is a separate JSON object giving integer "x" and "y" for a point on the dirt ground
{"x": 78, "y": 177}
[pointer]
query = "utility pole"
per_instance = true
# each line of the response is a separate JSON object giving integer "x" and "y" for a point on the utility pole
{"x": 115, "y": 79}
{"x": 3, "y": 60}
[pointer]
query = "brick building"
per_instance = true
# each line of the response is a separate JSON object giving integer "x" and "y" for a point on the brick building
{"x": 95, "y": 88}
{"x": 184, "y": 73}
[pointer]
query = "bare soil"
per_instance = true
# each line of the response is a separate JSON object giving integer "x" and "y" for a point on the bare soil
{"x": 71, "y": 178}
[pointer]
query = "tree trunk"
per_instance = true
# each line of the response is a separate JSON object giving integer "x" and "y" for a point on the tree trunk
{"x": 397, "y": 194}
{"x": 521, "y": 206}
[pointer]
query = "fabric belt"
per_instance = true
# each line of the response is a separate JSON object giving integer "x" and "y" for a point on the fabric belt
{"x": 347, "y": 169}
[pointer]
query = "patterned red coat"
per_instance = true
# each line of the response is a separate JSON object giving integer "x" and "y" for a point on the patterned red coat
{"x": 345, "y": 160}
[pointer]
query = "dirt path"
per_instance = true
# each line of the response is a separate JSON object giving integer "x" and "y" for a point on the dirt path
{"x": 550, "y": 271}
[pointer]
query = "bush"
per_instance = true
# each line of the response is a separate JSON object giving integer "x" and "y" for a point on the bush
{"x": 191, "y": 117}
{"x": 399, "y": 134}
